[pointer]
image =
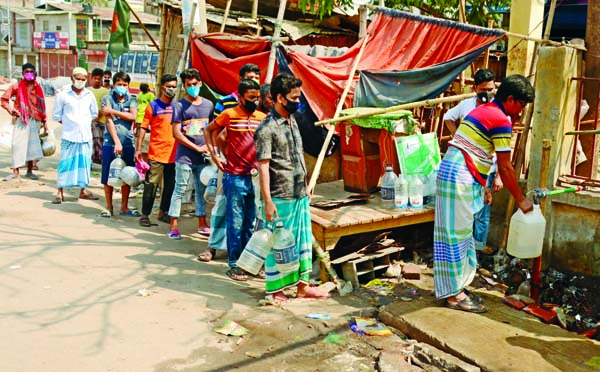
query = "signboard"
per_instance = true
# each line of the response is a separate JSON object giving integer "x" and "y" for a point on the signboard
{"x": 51, "y": 40}
{"x": 82, "y": 32}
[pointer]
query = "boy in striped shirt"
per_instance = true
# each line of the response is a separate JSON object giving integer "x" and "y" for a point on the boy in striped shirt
{"x": 240, "y": 123}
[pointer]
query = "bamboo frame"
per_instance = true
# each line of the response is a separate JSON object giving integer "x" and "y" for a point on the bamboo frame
{"x": 317, "y": 169}
{"x": 404, "y": 106}
{"x": 276, "y": 33}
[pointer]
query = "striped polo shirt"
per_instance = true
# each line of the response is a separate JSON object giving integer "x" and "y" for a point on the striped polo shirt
{"x": 483, "y": 132}
{"x": 240, "y": 126}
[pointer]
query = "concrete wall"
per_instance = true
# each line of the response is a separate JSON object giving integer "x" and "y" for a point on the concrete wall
{"x": 525, "y": 18}
{"x": 572, "y": 240}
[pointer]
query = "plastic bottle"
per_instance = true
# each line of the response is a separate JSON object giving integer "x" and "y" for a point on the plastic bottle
{"x": 415, "y": 192}
{"x": 388, "y": 183}
{"x": 284, "y": 249}
{"x": 401, "y": 192}
{"x": 210, "y": 194}
{"x": 525, "y": 288}
{"x": 425, "y": 188}
{"x": 526, "y": 233}
{"x": 254, "y": 254}
{"x": 114, "y": 172}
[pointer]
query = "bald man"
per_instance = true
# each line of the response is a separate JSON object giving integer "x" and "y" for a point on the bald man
{"x": 75, "y": 108}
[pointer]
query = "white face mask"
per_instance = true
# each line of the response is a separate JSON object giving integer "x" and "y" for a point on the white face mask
{"x": 79, "y": 84}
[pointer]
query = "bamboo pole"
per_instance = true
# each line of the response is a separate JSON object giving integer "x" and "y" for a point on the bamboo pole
{"x": 486, "y": 57}
{"x": 202, "y": 14}
{"x": 160, "y": 69}
{"x": 404, "y": 106}
{"x": 576, "y": 132}
{"x": 142, "y": 25}
{"x": 322, "y": 255}
{"x": 363, "y": 15}
{"x": 340, "y": 105}
{"x": 276, "y": 33}
{"x": 186, "y": 42}
{"x": 225, "y": 15}
{"x": 524, "y": 136}
{"x": 255, "y": 9}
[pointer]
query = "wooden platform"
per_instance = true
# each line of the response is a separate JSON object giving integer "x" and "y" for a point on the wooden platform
{"x": 329, "y": 226}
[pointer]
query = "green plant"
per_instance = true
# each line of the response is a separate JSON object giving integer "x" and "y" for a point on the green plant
{"x": 478, "y": 11}
{"x": 323, "y": 6}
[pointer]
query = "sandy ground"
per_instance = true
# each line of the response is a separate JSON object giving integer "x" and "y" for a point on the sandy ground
{"x": 70, "y": 282}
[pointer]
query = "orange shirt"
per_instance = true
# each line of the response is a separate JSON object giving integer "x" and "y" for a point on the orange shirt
{"x": 162, "y": 143}
{"x": 36, "y": 112}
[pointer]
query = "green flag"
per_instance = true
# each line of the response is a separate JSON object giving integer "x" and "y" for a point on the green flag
{"x": 120, "y": 32}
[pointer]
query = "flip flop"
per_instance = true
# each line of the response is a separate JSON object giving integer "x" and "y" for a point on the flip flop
{"x": 261, "y": 275}
{"x": 106, "y": 214}
{"x": 164, "y": 218}
{"x": 467, "y": 304}
{"x": 145, "y": 222}
{"x": 237, "y": 274}
{"x": 11, "y": 176}
{"x": 57, "y": 200}
{"x": 204, "y": 231}
{"x": 88, "y": 196}
{"x": 130, "y": 213}
{"x": 207, "y": 255}
{"x": 31, "y": 176}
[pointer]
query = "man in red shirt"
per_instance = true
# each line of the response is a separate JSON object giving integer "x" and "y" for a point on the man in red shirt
{"x": 29, "y": 114}
{"x": 241, "y": 123}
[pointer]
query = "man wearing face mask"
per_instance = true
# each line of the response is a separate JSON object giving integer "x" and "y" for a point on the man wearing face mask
{"x": 120, "y": 110}
{"x": 282, "y": 173}
{"x": 29, "y": 114}
{"x": 99, "y": 124}
{"x": 240, "y": 123}
{"x": 107, "y": 79}
{"x": 75, "y": 108}
{"x": 161, "y": 151}
{"x": 217, "y": 239}
{"x": 484, "y": 86}
{"x": 191, "y": 115}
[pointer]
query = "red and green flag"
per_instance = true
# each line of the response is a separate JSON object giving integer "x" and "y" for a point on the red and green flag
{"x": 120, "y": 32}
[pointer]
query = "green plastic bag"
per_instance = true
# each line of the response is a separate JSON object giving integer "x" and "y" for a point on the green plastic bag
{"x": 419, "y": 153}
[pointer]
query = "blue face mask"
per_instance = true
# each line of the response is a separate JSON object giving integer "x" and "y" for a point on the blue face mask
{"x": 193, "y": 91}
{"x": 121, "y": 91}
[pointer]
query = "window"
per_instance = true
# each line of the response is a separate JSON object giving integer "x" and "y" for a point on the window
{"x": 45, "y": 26}
{"x": 59, "y": 28}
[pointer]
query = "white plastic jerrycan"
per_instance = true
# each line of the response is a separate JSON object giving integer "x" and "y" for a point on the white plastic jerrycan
{"x": 526, "y": 234}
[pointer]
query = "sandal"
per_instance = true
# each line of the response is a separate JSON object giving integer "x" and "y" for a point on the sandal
{"x": 88, "y": 196}
{"x": 130, "y": 213}
{"x": 261, "y": 275}
{"x": 207, "y": 255}
{"x": 237, "y": 274}
{"x": 467, "y": 304}
{"x": 164, "y": 218}
{"x": 473, "y": 296}
{"x": 145, "y": 222}
{"x": 57, "y": 200}
{"x": 106, "y": 213}
{"x": 204, "y": 231}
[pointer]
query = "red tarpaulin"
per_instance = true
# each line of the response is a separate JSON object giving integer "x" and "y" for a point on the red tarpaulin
{"x": 398, "y": 41}
{"x": 219, "y": 58}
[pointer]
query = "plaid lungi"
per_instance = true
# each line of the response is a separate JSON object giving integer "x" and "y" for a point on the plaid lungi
{"x": 295, "y": 215}
{"x": 74, "y": 165}
{"x": 458, "y": 197}
{"x": 26, "y": 145}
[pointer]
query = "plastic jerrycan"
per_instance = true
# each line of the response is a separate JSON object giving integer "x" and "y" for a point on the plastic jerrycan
{"x": 114, "y": 172}
{"x": 526, "y": 233}
{"x": 284, "y": 249}
{"x": 254, "y": 254}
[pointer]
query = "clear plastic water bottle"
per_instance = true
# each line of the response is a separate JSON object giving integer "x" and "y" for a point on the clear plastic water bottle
{"x": 401, "y": 192}
{"x": 425, "y": 182}
{"x": 254, "y": 254}
{"x": 284, "y": 249}
{"x": 388, "y": 184}
{"x": 114, "y": 172}
{"x": 415, "y": 192}
{"x": 210, "y": 194}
